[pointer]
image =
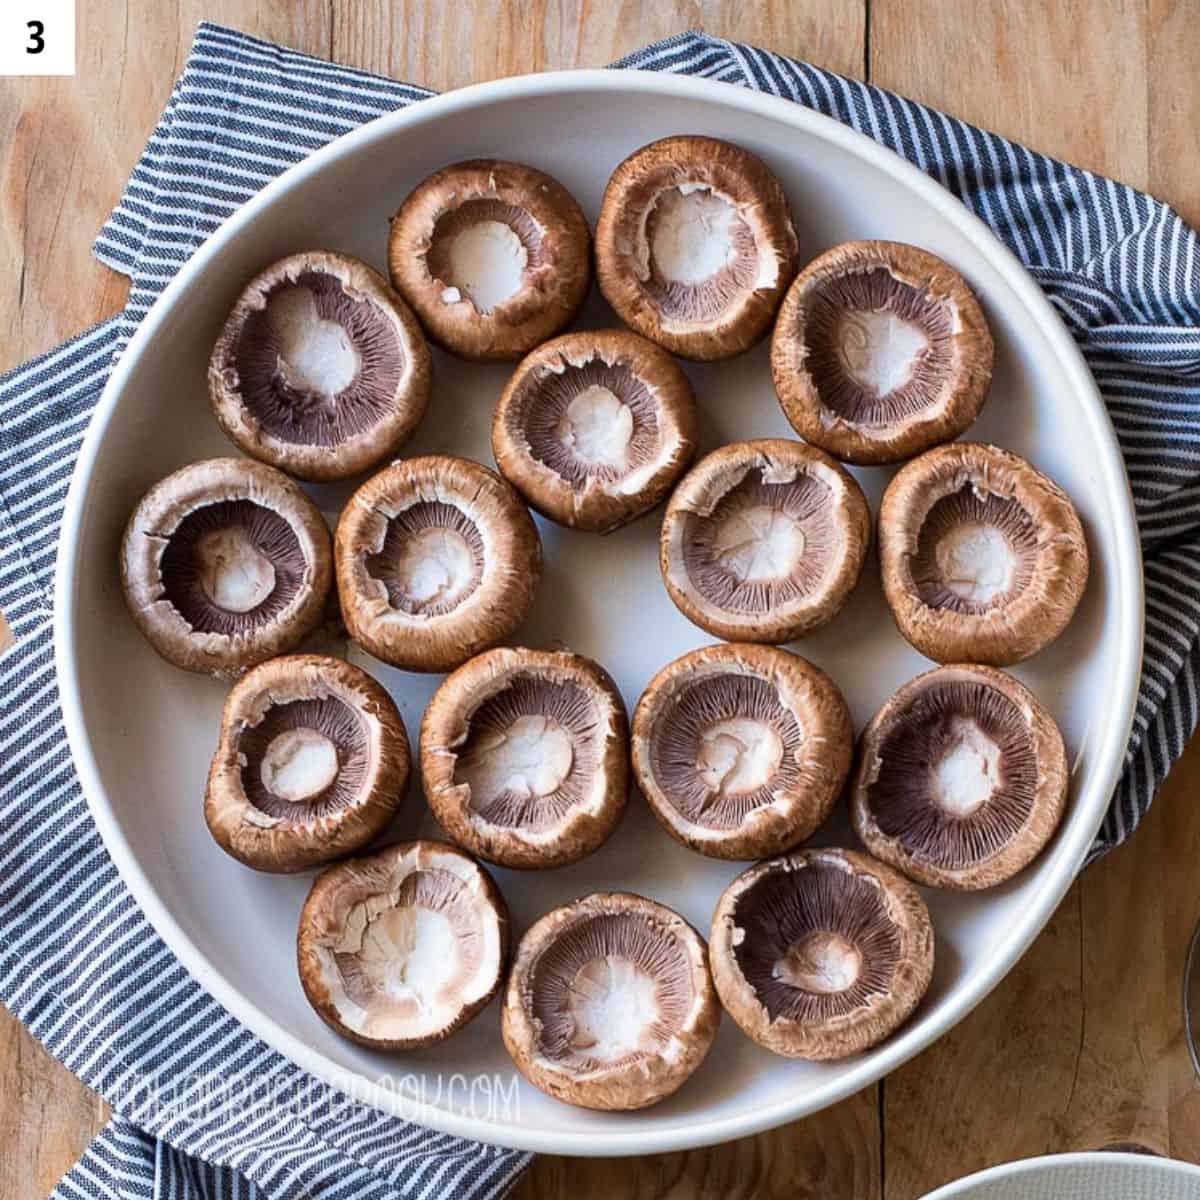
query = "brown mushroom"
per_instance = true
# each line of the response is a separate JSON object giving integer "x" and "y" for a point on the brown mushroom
{"x": 609, "y": 1004}
{"x": 881, "y": 350}
{"x": 961, "y": 778}
{"x": 437, "y": 559}
{"x": 595, "y": 427}
{"x": 763, "y": 541}
{"x": 983, "y": 557}
{"x": 321, "y": 369}
{"x": 493, "y": 256}
{"x": 224, "y": 564}
{"x": 695, "y": 246}
{"x": 741, "y": 750}
{"x": 312, "y": 763}
{"x": 525, "y": 757}
{"x": 402, "y": 947}
{"x": 822, "y": 953}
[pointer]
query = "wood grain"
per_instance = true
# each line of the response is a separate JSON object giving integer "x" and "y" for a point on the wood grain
{"x": 425, "y": 42}
{"x": 46, "y": 1116}
{"x": 1082, "y": 1045}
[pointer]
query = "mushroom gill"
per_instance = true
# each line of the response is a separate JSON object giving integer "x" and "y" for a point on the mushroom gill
{"x": 306, "y": 759}
{"x": 701, "y": 255}
{"x": 983, "y": 557}
{"x": 529, "y": 756}
{"x": 763, "y": 541}
{"x": 311, "y": 763}
{"x": 595, "y": 421}
{"x": 483, "y": 248}
{"x": 695, "y": 245}
{"x": 317, "y": 366}
{"x": 524, "y": 756}
{"x": 609, "y": 1003}
{"x": 436, "y": 559}
{"x": 961, "y": 778}
{"x": 764, "y": 545}
{"x": 225, "y": 563}
{"x": 611, "y": 989}
{"x": 231, "y": 566}
{"x": 821, "y": 954}
{"x": 726, "y": 747}
{"x": 976, "y": 550}
{"x": 402, "y": 947}
{"x": 818, "y": 943}
{"x": 320, "y": 368}
{"x": 880, "y": 351}
{"x": 594, "y": 428}
{"x": 741, "y": 750}
{"x": 431, "y": 559}
{"x": 493, "y": 256}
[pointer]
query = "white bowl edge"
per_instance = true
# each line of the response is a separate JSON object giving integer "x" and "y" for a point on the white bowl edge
{"x": 1021, "y": 1168}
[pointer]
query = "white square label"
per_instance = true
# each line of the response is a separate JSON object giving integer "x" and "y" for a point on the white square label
{"x": 37, "y": 37}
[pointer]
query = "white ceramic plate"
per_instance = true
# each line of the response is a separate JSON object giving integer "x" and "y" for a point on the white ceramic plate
{"x": 1092, "y": 1176}
{"x": 142, "y": 732}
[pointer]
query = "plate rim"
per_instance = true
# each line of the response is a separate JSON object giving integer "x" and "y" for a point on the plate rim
{"x": 1127, "y": 600}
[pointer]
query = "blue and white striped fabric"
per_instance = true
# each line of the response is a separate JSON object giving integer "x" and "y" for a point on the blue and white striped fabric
{"x": 202, "y": 1108}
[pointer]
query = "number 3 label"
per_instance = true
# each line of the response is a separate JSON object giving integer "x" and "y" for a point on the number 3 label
{"x": 37, "y": 37}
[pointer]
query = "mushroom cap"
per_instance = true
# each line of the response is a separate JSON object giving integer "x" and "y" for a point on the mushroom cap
{"x": 903, "y": 823}
{"x": 273, "y": 711}
{"x": 822, "y": 953}
{"x": 1036, "y": 539}
{"x": 590, "y": 977}
{"x": 740, "y": 750}
{"x": 720, "y": 560}
{"x": 561, "y": 718}
{"x": 379, "y": 364}
{"x": 554, "y": 256}
{"x": 844, "y": 308}
{"x": 762, "y": 243}
{"x": 272, "y": 521}
{"x": 402, "y": 947}
{"x": 646, "y": 425}
{"x": 456, "y": 533}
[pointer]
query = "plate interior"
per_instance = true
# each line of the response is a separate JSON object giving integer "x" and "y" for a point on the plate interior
{"x": 151, "y": 729}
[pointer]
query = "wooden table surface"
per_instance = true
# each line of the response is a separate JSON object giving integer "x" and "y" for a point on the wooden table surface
{"x": 1082, "y": 1046}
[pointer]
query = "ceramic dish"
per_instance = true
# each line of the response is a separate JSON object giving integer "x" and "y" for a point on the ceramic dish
{"x": 1093, "y": 1176}
{"x": 142, "y": 732}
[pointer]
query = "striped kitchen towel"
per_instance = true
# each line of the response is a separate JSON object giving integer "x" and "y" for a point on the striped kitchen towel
{"x": 201, "y": 1107}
